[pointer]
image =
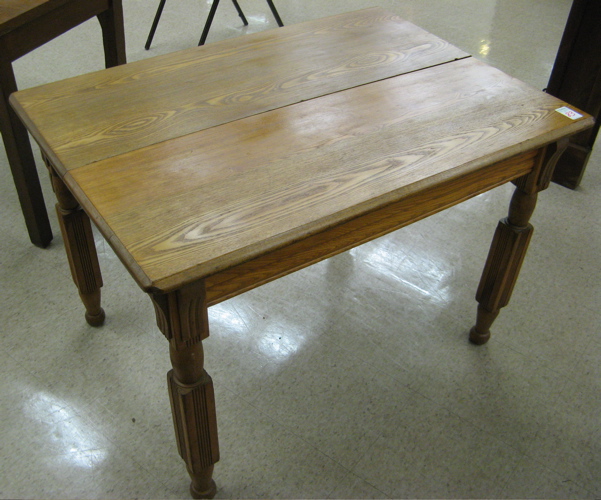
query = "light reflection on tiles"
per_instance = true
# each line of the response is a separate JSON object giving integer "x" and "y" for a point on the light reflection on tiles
{"x": 419, "y": 272}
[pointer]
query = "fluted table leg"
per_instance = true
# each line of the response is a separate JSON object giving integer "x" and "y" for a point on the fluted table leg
{"x": 183, "y": 319}
{"x": 81, "y": 250}
{"x": 510, "y": 243}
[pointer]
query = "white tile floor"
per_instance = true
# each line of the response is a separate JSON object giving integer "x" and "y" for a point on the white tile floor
{"x": 350, "y": 379}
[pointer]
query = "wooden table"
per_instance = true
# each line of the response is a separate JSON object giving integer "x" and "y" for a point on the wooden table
{"x": 214, "y": 170}
{"x": 25, "y": 25}
{"x": 576, "y": 77}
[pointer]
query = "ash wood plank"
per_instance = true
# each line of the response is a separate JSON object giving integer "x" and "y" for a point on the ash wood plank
{"x": 96, "y": 116}
{"x": 194, "y": 206}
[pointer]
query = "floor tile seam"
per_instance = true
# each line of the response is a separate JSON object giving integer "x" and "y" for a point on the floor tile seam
{"x": 570, "y": 480}
{"x": 42, "y": 383}
{"x": 566, "y": 375}
{"x": 532, "y": 459}
{"x": 590, "y": 309}
{"x": 491, "y": 434}
{"x": 244, "y": 322}
{"x": 518, "y": 453}
{"x": 460, "y": 418}
{"x": 482, "y": 430}
{"x": 86, "y": 413}
{"x": 362, "y": 364}
{"x": 368, "y": 366}
{"x": 145, "y": 467}
{"x": 131, "y": 456}
{"x": 356, "y": 466}
{"x": 291, "y": 431}
{"x": 352, "y": 473}
{"x": 424, "y": 477}
{"x": 544, "y": 362}
{"x": 383, "y": 370}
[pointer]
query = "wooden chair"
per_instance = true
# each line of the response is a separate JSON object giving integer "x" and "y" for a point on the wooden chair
{"x": 25, "y": 25}
{"x": 207, "y": 27}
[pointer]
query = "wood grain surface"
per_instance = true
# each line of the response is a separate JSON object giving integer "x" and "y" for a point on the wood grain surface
{"x": 196, "y": 205}
{"x": 103, "y": 114}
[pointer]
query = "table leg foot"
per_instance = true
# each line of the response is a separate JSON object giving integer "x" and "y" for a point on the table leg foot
{"x": 199, "y": 489}
{"x": 480, "y": 332}
{"x": 96, "y": 320}
{"x": 94, "y": 313}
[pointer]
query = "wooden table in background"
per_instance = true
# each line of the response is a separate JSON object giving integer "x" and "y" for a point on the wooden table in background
{"x": 26, "y": 25}
{"x": 576, "y": 77}
{"x": 214, "y": 170}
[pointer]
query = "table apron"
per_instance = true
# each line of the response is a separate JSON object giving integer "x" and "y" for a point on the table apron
{"x": 337, "y": 239}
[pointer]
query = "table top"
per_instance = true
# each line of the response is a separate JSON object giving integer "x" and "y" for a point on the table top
{"x": 194, "y": 162}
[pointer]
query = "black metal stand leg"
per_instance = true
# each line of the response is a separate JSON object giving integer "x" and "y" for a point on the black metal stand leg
{"x": 154, "y": 24}
{"x": 275, "y": 13}
{"x": 240, "y": 13}
{"x": 207, "y": 27}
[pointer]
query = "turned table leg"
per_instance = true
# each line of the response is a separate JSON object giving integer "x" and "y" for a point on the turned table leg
{"x": 182, "y": 317}
{"x": 81, "y": 249}
{"x": 510, "y": 243}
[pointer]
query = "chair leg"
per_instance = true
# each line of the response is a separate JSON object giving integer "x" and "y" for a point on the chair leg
{"x": 155, "y": 24}
{"x": 207, "y": 27}
{"x": 274, "y": 11}
{"x": 240, "y": 13}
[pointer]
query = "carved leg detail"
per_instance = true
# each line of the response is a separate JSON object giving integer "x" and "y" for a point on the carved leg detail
{"x": 195, "y": 422}
{"x": 81, "y": 249}
{"x": 510, "y": 243}
{"x": 500, "y": 274}
{"x": 182, "y": 317}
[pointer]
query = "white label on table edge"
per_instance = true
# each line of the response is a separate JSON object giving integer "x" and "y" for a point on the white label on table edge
{"x": 570, "y": 113}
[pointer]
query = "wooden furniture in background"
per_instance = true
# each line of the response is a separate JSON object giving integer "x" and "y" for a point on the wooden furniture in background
{"x": 576, "y": 78}
{"x": 217, "y": 169}
{"x": 24, "y": 26}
